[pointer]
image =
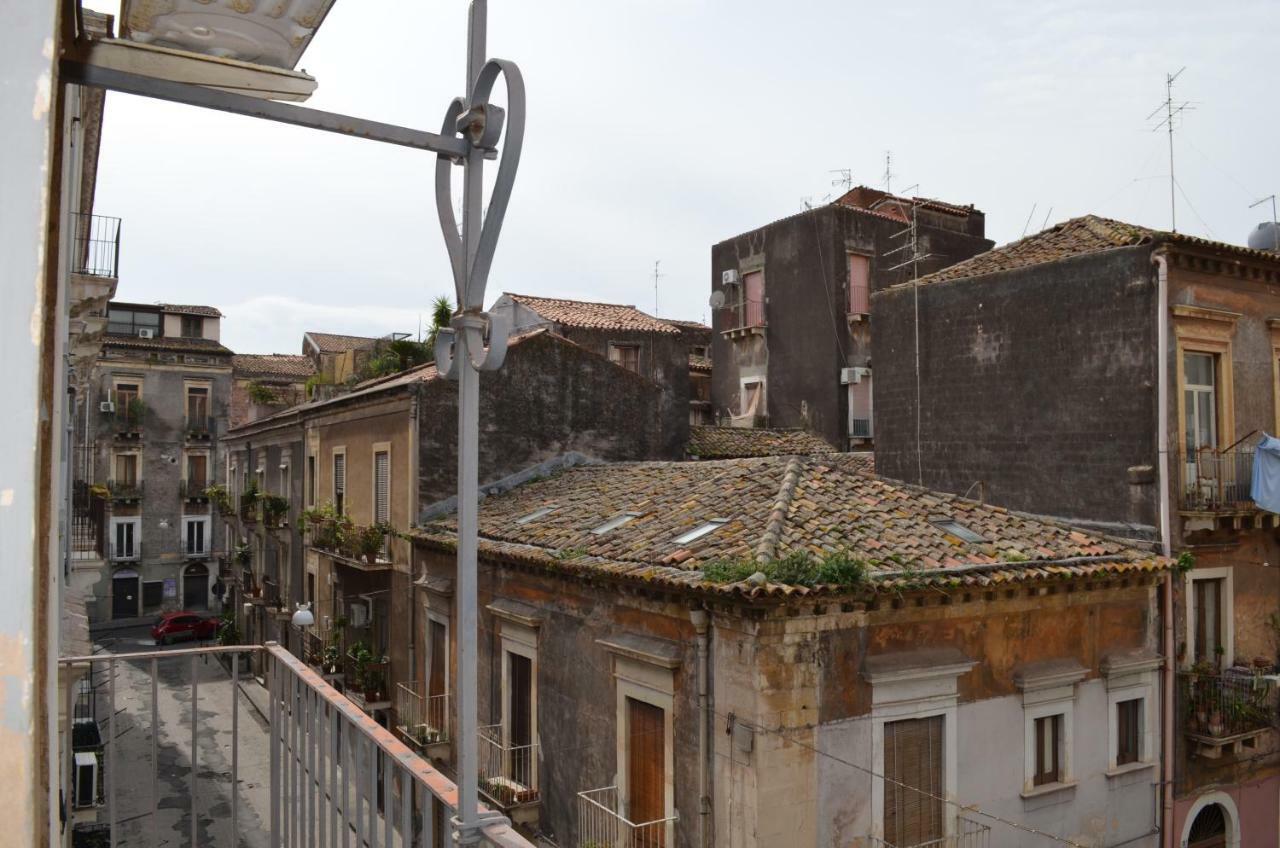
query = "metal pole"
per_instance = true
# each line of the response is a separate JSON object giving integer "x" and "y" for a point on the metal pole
{"x": 195, "y": 698}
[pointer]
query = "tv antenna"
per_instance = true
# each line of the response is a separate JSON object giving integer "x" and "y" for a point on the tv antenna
{"x": 888, "y": 171}
{"x": 845, "y": 178}
{"x": 1171, "y": 111}
{"x": 1275, "y": 227}
{"x": 657, "y": 275}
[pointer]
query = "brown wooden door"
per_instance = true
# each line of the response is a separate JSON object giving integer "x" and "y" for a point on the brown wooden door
{"x": 520, "y": 711}
{"x": 438, "y": 645}
{"x": 646, "y": 770}
{"x": 913, "y": 781}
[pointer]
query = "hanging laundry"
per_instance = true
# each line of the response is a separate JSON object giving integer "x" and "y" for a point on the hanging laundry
{"x": 1266, "y": 474}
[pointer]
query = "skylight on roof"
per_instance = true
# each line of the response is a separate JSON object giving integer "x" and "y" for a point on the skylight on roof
{"x": 701, "y": 530}
{"x": 535, "y": 515}
{"x": 614, "y": 523}
{"x": 955, "y": 528}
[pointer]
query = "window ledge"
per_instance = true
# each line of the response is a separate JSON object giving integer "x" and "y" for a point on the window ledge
{"x": 1050, "y": 789}
{"x": 1128, "y": 768}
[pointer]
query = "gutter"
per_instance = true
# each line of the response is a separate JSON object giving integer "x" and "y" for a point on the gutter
{"x": 1166, "y": 547}
{"x": 701, "y": 622}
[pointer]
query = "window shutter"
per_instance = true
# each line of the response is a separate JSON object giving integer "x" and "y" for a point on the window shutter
{"x": 381, "y": 487}
{"x": 913, "y": 781}
{"x": 339, "y": 473}
{"x": 646, "y": 767}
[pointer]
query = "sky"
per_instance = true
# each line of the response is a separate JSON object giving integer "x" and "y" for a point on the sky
{"x": 659, "y": 128}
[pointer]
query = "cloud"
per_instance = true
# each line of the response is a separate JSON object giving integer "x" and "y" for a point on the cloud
{"x": 248, "y": 326}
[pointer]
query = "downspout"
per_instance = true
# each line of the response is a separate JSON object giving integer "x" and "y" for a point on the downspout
{"x": 413, "y": 550}
{"x": 1166, "y": 546}
{"x": 701, "y": 622}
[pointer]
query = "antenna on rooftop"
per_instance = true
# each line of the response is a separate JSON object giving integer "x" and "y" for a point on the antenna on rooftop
{"x": 845, "y": 178}
{"x": 656, "y": 276}
{"x": 1030, "y": 215}
{"x": 910, "y": 237}
{"x": 888, "y": 172}
{"x": 1171, "y": 111}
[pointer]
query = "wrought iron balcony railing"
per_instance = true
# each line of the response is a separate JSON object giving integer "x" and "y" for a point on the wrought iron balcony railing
{"x": 508, "y": 772}
{"x": 601, "y": 823}
{"x": 96, "y": 247}
{"x": 968, "y": 834}
{"x": 125, "y": 490}
{"x": 423, "y": 719}
{"x": 1220, "y": 706}
{"x": 1216, "y": 480}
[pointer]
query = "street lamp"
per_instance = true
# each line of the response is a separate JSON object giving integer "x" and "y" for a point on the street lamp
{"x": 303, "y": 617}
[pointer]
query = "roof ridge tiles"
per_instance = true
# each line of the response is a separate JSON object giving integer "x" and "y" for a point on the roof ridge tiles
{"x": 767, "y": 547}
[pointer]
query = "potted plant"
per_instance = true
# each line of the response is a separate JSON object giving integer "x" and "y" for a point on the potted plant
{"x": 220, "y": 498}
{"x": 373, "y": 680}
{"x": 329, "y": 658}
{"x": 242, "y": 555}
{"x": 274, "y": 509}
{"x": 133, "y": 412}
{"x": 370, "y": 541}
{"x": 248, "y": 503}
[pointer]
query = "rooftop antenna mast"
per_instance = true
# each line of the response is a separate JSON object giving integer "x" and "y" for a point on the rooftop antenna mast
{"x": 1275, "y": 226}
{"x": 1171, "y": 111}
{"x": 888, "y": 171}
{"x": 656, "y": 276}
{"x": 844, "y": 178}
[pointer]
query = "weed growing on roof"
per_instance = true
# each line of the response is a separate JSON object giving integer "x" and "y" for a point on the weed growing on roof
{"x": 1186, "y": 561}
{"x": 1014, "y": 556}
{"x": 570, "y": 553}
{"x": 798, "y": 568}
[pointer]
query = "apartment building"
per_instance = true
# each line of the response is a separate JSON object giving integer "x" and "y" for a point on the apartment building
{"x": 1121, "y": 377}
{"x": 155, "y": 407}
{"x": 791, "y": 307}
{"x": 788, "y": 650}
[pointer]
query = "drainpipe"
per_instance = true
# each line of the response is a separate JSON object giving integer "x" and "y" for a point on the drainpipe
{"x": 413, "y": 519}
{"x": 701, "y": 623}
{"x": 1166, "y": 546}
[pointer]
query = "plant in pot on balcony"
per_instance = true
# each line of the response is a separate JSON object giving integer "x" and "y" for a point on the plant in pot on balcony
{"x": 373, "y": 680}
{"x": 370, "y": 541}
{"x": 220, "y": 498}
{"x": 249, "y": 503}
{"x": 133, "y": 412}
{"x": 274, "y": 509}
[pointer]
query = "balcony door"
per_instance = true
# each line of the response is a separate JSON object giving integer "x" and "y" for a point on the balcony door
{"x": 646, "y": 763}
{"x": 1200, "y": 401}
{"x": 913, "y": 781}
{"x": 520, "y": 715}
{"x": 437, "y": 652}
{"x": 1207, "y": 597}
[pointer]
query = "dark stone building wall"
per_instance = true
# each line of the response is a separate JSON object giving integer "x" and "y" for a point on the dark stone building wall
{"x": 809, "y": 339}
{"x": 1037, "y": 387}
{"x": 549, "y": 398}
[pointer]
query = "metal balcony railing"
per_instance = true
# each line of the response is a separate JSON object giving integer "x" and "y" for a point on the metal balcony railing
{"x": 125, "y": 490}
{"x": 367, "y": 681}
{"x": 859, "y": 299}
{"x": 125, "y": 553}
{"x": 602, "y": 825}
{"x": 96, "y": 246}
{"x": 968, "y": 834}
{"x": 196, "y": 549}
{"x": 193, "y": 489}
{"x": 1222, "y": 705}
{"x": 1216, "y": 480}
{"x": 422, "y": 718}
{"x": 319, "y": 773}
{"x": 508, "y": 773}
{"x": 199, "y": 426}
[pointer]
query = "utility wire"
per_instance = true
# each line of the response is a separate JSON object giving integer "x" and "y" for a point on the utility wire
{"x": 1202, "y": 221}
{"x": 961, "y": 807}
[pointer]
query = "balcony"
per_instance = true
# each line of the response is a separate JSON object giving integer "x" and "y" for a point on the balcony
{"x": 248, "y": 508}
{"x": 197, "y": 549}
{"x": 127, "y": 420}
{"x": 968, "y": 834}
{"x": 423, "y": 720}
{"x": 125, "y": 491}
{"x": 193, "y": 491}
{"x": 199, "y": 428}
{"x": 365, "y": 678}
{"x": 601, "y": 825}
{"x": 1216, "y": 482}
{"x": 317, "y": 772}
{"x": 125, "y": 553}
{"x": 509, "y": 774}
{"x": 1226, "y": 714}
{"x": 96, "y": 246}
{"x": 745, "y": 318}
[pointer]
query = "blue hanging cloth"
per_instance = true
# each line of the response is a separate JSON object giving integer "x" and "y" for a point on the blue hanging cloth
{"x": 1266, "y": 474}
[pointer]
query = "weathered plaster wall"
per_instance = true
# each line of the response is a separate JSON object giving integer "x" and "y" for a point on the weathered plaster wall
{"x": 1036, "y": 384}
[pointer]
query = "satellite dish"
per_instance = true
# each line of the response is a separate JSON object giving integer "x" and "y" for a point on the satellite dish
{"x": 717, "y": 299}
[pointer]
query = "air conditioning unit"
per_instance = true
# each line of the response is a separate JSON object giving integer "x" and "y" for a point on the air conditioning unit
{"x": 853, "y": 376}
{"x": 146, "y": 334}
{"x": 86, "y": 780}
{"x": 359, "y": 614}
{"x": 729, "y": 278}
{"x": 107, "y": 407}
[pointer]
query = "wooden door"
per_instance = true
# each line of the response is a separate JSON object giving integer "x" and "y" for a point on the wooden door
{"x": 520, "y": 712}
{"x": 913, "y": 781}
{"x": 646, "y": 770}
{"x": 437, "y": 645}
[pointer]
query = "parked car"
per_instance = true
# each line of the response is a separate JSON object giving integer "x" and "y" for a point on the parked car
{"x": 176, "y": 626}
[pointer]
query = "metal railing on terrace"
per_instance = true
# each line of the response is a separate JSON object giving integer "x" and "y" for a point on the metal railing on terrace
{"x": 321, "y": 772}
{"x": 1223, "y": 705}
{"x": 96, "y": 249}
{"x": 125, "y": 490}
{"x": 968, "y": 834}
{"x": 601, "y": 823}
{"x": 422, "y": 718}
{"x": 1216, "y": 480}
{"x": 508, "y": 772}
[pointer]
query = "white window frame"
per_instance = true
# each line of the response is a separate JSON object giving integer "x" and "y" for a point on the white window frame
{"x": 1224, "y": 573}
{"x": 650, "y": 680}
{"x": 136, "y": 521}
{"x": 208, "y": 530}
{"x": 1128, "y": 680}
{"x": 1049, "y": 694}
{"x": 763, "y": 405}
{"x": 915, "y": 691}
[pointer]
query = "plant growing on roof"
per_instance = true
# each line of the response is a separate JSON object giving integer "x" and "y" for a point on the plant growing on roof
{"x": 316, "y": 380}
{"x": 262, "y": 394}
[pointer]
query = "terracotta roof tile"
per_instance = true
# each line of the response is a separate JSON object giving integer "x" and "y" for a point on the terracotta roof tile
{"x": 712, "y": 442}
{"x": 594, "y": 316}
{"x": 337, "y": 343}
{"x": 175, "y": 343}
{"x": 279, "y": 365}
{"x": 771, "y": 507}
{"x": 190, "y": 309}
{"x": 699, "y": 363}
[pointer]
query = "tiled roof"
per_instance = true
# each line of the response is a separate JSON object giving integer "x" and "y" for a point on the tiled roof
{"x": 699, "y": 363}
{"x": 280, "y": 365}
{"x": 685, "y": 325}
{"x": 190, "y": 309}
{"x": 710, "y": 442}
{"x": 1075, "y": 237}
{"x": 594, "y": 316}
{"x": 177, "y": 343}
{"x": 773, "y": 507}
{"x": 338, "y": 343}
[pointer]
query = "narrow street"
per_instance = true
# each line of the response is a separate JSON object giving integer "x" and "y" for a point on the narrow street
{"x": 213, "y": 741}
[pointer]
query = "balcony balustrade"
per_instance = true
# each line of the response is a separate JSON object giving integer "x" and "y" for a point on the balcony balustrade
{"x": 365, "y": 680}
{"x": 96, "y": 250}
{"x": 601, "y": 823}
{"x": 508, "y": 772}
{"x": 1226, "y": 713}
{"x": 968, "y": 834}
{"x": 125, "y": 490}
{"x": 423, "y": 720}
{"x": 1216, "y": 480}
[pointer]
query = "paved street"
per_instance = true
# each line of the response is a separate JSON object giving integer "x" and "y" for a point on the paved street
{"x": 214, "y": 741}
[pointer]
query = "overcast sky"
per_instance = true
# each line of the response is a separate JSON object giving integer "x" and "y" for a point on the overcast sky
{"x": 658, "y": 128}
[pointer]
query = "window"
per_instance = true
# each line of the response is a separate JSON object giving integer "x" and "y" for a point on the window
{"x": 646, "y": 765}
{"x": 126, "y": 470}
{"x": 311, "y": 481}
{"x": 1129, "y": 731}
{"x": 1048, "y": 744}
{"x": 859, "y": 270}
{"x": 614, "y": 523}
{"x": 198, "y": 408}
{"x": 437, "y": 672}
{"x": 197, "y": 472}
{"x": 128, "y": 404}
{"x": 192, "y": 327}
{"x": 701, "y": 530}
{"x": 128, "y": 322}
{"x": 753, "y": 299}
{"x": 382, "y": 487}
{"x": 752, "y": 398}
{"x": 913, "y": 813}
{"x": 628, "y": 356}
{"x": 1207, "y": 597}
{"x": 698, "y": 350}
{"x": 1200, "y": 401}
{"x": 286, "y": 481}
{"x": 519, "y": 725}
{"x": 311, "y": 590}
{"x": 340, "y": 482}
{"x": 860, "y": 407}
{"x": 125, "y": 538}
{"x": 955, "y": 528}
{"x": 535, "y": 515}
{"x": 195, "y": 536}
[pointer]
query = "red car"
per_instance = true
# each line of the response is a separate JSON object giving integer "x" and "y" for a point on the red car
{"x": 175, "y": 626}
